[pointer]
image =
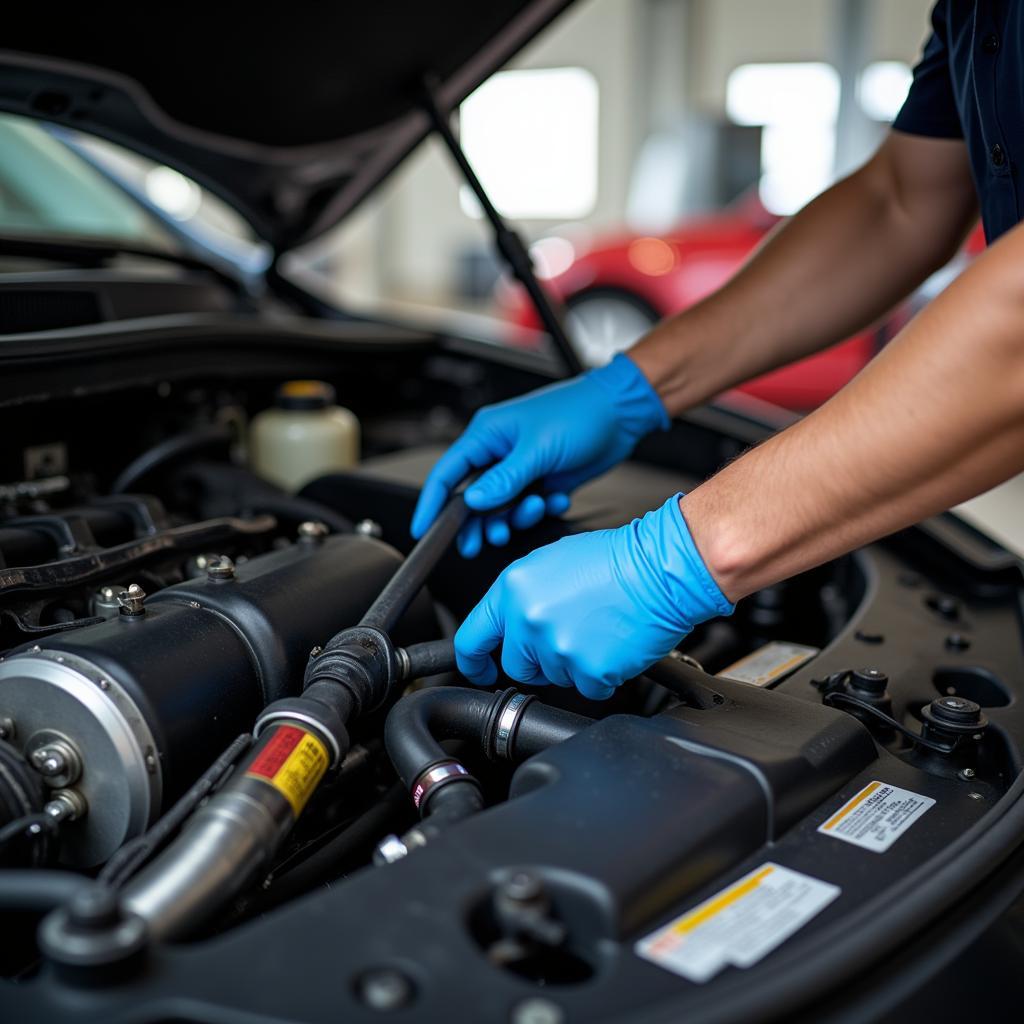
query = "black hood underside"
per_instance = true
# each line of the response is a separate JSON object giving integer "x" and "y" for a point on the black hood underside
{"x": 291, "y": 115}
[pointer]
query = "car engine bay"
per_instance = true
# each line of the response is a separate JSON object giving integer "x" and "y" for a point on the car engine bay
{"x": 239, "y": 774}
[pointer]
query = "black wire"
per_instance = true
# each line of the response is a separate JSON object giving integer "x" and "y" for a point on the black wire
{"x": 914, "y": 737}
{"x": 332, "y": 857}
{"x": 38, "y": 890}
{"x": 167, "y": 451}
{"x": 135, "y": 853}
{"x": 20, "y": 829}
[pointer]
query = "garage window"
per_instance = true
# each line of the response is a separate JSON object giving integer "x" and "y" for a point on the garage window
{"x": 531, "y": 136}
{"x": 796, "y": 105}
{"x": 882, "y": 87}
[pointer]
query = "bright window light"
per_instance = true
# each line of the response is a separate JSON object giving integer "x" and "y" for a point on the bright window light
{"x": 173, "y": 192}
{"x": 796, "y": 106}
{"x": 531, "y": 136}
{"x": 882, "y": 87}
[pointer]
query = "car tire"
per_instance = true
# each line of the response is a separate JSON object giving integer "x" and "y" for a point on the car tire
{"x": 604, "y": 321}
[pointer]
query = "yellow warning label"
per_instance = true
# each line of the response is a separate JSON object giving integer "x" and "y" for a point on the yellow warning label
{"x": 719, "y": 903}
{"x": 293, "y": 762}
{"x": 740, "y": 925}
{"x": 876, "y": 816}
{"x": 848, "y": 807}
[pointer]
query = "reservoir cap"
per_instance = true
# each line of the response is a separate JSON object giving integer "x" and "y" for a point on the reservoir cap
{"x": 305, "y": 395}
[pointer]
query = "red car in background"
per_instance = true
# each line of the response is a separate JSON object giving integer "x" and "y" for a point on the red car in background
{"x": 620, "y": 286}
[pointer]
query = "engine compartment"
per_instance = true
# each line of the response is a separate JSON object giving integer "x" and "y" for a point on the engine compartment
{"x": 157, "y": 597}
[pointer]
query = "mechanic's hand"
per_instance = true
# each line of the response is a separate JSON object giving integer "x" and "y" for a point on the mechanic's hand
{"x": 561, "y": 435}
{"x": 594, "y": 609}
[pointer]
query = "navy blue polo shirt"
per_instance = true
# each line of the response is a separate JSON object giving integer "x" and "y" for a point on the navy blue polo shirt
{"x": 969, "y": 84}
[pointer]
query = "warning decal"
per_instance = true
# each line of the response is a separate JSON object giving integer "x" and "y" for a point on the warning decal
{"x": 293, "y": 762}
{"x": 769, "y": 663}
{"x": 877, "y": 816}
{"x": 740, "y": 925}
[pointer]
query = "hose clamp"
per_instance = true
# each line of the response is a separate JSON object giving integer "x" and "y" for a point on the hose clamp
{"x": 307, "y": 723}
{"x": 434, "y": 776}
{"x": 508, "y": 720}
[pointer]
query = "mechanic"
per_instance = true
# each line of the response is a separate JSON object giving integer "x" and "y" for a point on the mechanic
{"x": 936, "y": 418}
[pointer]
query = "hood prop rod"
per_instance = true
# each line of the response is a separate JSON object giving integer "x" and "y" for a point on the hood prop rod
{"x": 507, "y": 241}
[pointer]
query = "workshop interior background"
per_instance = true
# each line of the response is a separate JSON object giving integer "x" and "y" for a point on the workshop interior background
{"x": 619, "y": 126}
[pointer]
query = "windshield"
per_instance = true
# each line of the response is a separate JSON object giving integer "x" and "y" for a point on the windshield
{"x": 59, "y": 183}
{"x": 46, "y": 189}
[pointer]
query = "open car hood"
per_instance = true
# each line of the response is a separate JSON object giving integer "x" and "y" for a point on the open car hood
{"x": 291, "y": 116}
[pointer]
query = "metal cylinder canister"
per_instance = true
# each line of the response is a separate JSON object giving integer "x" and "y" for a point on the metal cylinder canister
{"x": 147, "y": 700}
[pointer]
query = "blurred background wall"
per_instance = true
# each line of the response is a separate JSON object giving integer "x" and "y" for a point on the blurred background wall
{"x": 667, "y": 80}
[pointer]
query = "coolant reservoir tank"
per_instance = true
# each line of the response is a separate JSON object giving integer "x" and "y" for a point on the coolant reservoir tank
{"x": 303, "y": 436}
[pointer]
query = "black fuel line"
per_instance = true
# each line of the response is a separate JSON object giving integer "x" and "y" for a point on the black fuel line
{"x": 508, "y": 726}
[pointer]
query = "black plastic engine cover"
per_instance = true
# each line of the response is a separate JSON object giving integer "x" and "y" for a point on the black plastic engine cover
{"x": 620, "y": 822}
{"x": 207, "y": 656}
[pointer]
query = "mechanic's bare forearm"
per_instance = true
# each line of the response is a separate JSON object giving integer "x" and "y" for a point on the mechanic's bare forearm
{"x": 936, "y": 418}
{"x": 827, "y": 273}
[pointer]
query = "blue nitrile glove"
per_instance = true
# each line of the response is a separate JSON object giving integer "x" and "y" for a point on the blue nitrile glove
{"x": 561, "y": 435}
{"x": 594, "y": 609}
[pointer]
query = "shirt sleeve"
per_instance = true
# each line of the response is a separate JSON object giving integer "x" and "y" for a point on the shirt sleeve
{"x": 930, "y": 108}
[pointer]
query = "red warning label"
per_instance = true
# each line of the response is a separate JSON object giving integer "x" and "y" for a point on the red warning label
{"x": 293, "y": 762}
{"x": 269, "y": 760}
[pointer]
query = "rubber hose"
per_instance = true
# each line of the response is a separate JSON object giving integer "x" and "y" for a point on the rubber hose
{"x": 38, "y": 891}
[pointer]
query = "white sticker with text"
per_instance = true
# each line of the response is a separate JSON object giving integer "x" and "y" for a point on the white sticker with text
{"x": 739, "y": 925}
{"x": 876, "y": 817}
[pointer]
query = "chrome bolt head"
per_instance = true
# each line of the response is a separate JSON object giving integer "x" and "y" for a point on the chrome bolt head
{"x": 66, "y": 805}
{"x": 369, "y": 528}
{"x": 132, "y": 601}
{"x": 49, "y": 761}
{"x": 220, "y": 569}
{"x": 313, "y": 530}
{"x": 389, "y": 850}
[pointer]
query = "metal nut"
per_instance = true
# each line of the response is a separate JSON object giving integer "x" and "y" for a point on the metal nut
{"x": 57, "y": 761}
{"x": 132, "y": 601}
{"x": 389, "y": 850}
{"x": 369, "y": 528}
{"x": 313, "y": 530}
{"x": 66, "y": 805}
{"x": 220, "y": 568}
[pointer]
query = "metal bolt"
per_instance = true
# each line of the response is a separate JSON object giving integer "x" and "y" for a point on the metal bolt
{"x": 35, "y": 648}
{"x": 537, "y": 1011}
{"x": 369, "y": 528}
{"x": 105, "y": 602}
{"x": 389, "y": 850}
{"x": 385, "y": 989}
{"x": 194, "y": 604}
{"x": 57, "y": 761}
{"x": 132, "y": 601}
{"x": 967, "y": 773}
{"x": 523, "y": 887}
{"x": 66, "y": 805}
{"x": 6, "y": 728}
{"x": 975, "y": 796}
{"x": 316, "y": 651}
{"x": 313, "y": 530}
{"x": 104, "y": 684}
{"x": 49, "y": 761}
{"x": 150, "y": 762}
{"x": 220, "y": 568}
